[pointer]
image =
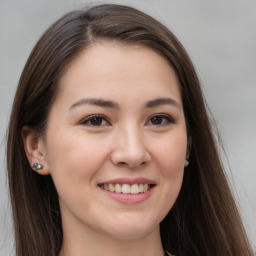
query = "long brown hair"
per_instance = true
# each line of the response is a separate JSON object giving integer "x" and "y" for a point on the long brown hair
{"x": 203, "y": 221}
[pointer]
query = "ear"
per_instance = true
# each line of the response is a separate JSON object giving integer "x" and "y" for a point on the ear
{"x": 189, "y": 144}
{"x": 35, "y": 149}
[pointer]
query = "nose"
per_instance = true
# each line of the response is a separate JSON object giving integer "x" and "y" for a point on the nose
{"x": 130, "y": 149}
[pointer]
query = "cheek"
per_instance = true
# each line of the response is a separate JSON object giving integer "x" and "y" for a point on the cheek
{"x": 74, "y": 159}
{"x": 74, "y": 162}
{"x": 172, "y": 168}
{"x": 171, "y": 155}
{"x": 170, "y": 160}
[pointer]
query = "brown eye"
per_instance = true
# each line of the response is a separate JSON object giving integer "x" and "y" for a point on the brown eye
{"x": 95, "y": 120}
{"x": 160, "y": 120}
{"x": 157, "y": 120}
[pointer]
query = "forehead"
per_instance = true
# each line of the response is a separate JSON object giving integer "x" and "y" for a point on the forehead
{"x": 108, "y": 68}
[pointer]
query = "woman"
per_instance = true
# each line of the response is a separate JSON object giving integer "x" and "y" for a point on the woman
{"x": 110, "y": 149}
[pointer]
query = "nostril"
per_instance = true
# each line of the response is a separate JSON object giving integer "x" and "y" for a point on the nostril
{"x": 131, "y": 165}
{"x": 123, "y": 163}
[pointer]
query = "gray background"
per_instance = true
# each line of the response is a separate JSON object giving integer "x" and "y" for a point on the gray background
{"x": 220, "y": 37}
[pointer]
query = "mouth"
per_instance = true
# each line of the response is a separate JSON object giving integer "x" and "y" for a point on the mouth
{"x": 128, "y": 190}
{"x": 132, "y": 189}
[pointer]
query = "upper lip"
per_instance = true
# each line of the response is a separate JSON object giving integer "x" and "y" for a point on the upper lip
{"x": 130, "y": 181}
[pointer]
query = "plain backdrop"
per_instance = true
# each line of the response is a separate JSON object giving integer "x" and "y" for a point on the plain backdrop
{"x": 220, "y": 37}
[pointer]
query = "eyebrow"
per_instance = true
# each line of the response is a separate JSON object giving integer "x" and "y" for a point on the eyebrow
{"x": 96, "y": 102}
{"x": 162, "y": 101}
{"x": 115, "y": 105}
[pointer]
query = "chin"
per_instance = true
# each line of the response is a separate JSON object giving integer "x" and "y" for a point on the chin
{"x": 133, "y": 228}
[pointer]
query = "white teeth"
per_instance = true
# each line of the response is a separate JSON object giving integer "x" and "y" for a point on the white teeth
{"x": 118, "y": 188}
{"x": 134, "y": 189}
{"x": 145, "y": 187}
{"x": 111, "y": 187}
{"x": 141, "y": 190}
{"x": 126, "y": 188}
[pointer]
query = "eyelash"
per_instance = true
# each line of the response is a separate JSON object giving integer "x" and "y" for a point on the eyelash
{"x": 86, "y": 121}
{"x": 168, "y": 119}
{"x": 101, "y": 118}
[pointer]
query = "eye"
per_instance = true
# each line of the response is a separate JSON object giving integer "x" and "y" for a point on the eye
{"x": 160, "y": 120}
{"x": 95, "y": 120}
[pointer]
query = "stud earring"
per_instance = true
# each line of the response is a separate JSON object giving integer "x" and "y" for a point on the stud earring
{"x": 38, "y": 166}
{"x": 186, "y": 163}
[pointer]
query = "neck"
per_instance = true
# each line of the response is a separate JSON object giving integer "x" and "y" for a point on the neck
{"x": 90, "y": 243}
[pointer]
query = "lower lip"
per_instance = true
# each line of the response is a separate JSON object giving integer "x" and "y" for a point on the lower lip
{"x": 129, "y": 198}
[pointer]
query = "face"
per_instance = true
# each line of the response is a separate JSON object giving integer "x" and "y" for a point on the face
{"x": 116, "y": 141}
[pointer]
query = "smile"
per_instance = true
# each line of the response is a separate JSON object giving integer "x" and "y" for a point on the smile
{"x": 126, "y": 188}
